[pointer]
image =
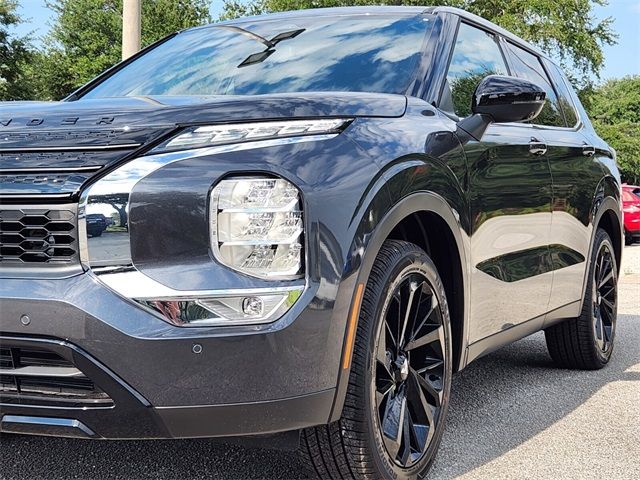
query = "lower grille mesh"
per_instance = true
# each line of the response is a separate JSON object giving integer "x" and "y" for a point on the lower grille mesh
{"x": 33, "y": 376}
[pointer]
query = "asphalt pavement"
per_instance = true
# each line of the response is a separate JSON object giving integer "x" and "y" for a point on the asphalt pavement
{"x": 513, "y": 415}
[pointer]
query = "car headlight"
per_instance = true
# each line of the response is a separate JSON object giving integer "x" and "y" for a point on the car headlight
{"x": 256, "y": 226}
{"x": 211, "y": 135}
{"x": 255, "y": 223}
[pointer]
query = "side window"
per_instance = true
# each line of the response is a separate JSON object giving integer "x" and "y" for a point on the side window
{"x": 476, "y": 54}
{"x": 564, "y": 95}
{"x": 527, "y": 65}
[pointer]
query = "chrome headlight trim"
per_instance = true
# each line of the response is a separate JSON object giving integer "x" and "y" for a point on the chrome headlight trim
{"x": 123, "y": 180}
{"x": 152, "y": 296}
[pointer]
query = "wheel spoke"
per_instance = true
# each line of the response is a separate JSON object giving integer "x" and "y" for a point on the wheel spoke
{"x": 609, "y": 292}
{"x": 432, "y": 391}
{"x": 413, "y": 287}
{"x": 421, "y": 414}
{"x": 599, "y": 328}
{"x": 420, "y": 406}
{"x": 604, "y": 267}
{"x": 382, "y": 353}
{"x": 608, "y": 304}
{"x": 398, "y": 323}
{"x": 430, "y": 363}
{"x": 405, "y": 444}
{"x": 598, "y": 268}
{"x": 607, "y": 333}
{"x": 432, "y": 308}
{"x": 393, "y": 422}
{"x": 607, "y": 278}
{"x": 436, "y": 335}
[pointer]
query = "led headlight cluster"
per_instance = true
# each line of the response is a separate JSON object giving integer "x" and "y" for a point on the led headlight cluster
{"x": 256, "y": 226}
{"x": 211, "y": 135}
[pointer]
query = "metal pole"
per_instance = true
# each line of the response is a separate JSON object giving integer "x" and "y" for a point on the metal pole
{"x": 131, "y": 27}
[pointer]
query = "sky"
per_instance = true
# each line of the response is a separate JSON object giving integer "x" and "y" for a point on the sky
{"x": 620, "y": 59}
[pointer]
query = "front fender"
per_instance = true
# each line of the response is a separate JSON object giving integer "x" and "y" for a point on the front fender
{"x": 390, "y": 203}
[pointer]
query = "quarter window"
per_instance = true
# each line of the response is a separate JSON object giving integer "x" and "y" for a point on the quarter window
{"x": 476, "y": 54}
{"x": 527, "y": 65}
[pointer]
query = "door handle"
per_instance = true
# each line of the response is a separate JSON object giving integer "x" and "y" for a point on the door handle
{"x": 536, "y": 147}
{"x": 588, "y": 150}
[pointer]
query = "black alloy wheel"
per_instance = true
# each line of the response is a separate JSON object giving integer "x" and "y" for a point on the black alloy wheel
{"x": 400, "y": 377}
{"x": 409, "y": 368}
{"x": 604, "y": 298}
{"x": 587, "y": 341}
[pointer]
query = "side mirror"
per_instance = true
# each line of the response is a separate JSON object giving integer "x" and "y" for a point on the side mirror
{"x": 502, "y": 99}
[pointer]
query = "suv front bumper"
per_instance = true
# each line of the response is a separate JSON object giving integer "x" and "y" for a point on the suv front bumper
{"x": 275, "y": 378}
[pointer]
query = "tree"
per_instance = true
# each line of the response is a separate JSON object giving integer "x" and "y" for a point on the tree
{"x": 614, "y": 108}
{"x": 86, "y": 37}
{"x": 15, "y": 54}
{"x": 564, "y": 28}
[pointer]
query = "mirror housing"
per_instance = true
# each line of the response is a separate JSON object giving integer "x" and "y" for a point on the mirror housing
{"x": 502, "y": 99}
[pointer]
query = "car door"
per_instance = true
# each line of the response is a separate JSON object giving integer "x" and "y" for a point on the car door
{"x": 509, "y": 188}
{"x": 571, "y": 173}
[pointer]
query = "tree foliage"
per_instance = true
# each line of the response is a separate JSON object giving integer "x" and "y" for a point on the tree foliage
{"x": 15, "y": 55}
{"x": 615, "y": 112}
{"x": 85, "y": 38}
{"x": 564, "y": 28}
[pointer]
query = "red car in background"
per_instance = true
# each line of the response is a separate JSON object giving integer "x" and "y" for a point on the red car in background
{"x": 631, "y": 209}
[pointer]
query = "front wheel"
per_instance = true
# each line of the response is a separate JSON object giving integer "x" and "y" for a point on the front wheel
{"x": 400, "y": 379}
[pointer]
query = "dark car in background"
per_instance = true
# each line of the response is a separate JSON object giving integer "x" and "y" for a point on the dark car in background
{"x": 322, "y": 216}
{"x": 631, "y": 212}
{"x": 96, "y": 224}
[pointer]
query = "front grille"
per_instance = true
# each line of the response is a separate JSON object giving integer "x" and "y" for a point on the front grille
{"x": 35, "y": 376}
{"x": 38, "y": 236}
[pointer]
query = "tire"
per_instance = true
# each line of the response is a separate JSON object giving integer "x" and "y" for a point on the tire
{"x": 383, "y": 385}
{"x": 586, "y": 342}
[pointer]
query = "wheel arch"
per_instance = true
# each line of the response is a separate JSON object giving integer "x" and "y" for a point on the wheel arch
{"x": 411, "y": 219}
{"x": 606, "y": 213}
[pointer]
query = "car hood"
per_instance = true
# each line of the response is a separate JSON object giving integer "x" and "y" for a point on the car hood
{"x": 75, "y": 140}
{"x": 134, "y": 112}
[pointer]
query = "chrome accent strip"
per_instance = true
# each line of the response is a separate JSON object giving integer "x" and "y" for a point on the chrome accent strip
{"x": 145, "y": 292}
{"x": 31, "y": 196}
{"x": 59, "y": 407}
{"x": 87, "y": 148}
{"x": 33, "y": 371}
{"x": 136, "y": 285}
{"x": 45, "y": 422}
{"x": 91, "y": 168}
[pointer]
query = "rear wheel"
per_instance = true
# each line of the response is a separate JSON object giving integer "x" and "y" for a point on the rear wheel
{"x": 400, "y": 378}
{"x": 586, "y": 342}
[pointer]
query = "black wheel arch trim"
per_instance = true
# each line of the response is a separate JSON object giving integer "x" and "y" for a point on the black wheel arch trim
{"x": 365, "y": 248}
{"x": 605, "y": 205}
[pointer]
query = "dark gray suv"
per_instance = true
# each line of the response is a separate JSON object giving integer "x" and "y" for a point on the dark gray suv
{"x": 311, "y": 221}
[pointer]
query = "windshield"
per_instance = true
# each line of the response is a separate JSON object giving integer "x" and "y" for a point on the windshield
{"x": 357, "y": 53}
